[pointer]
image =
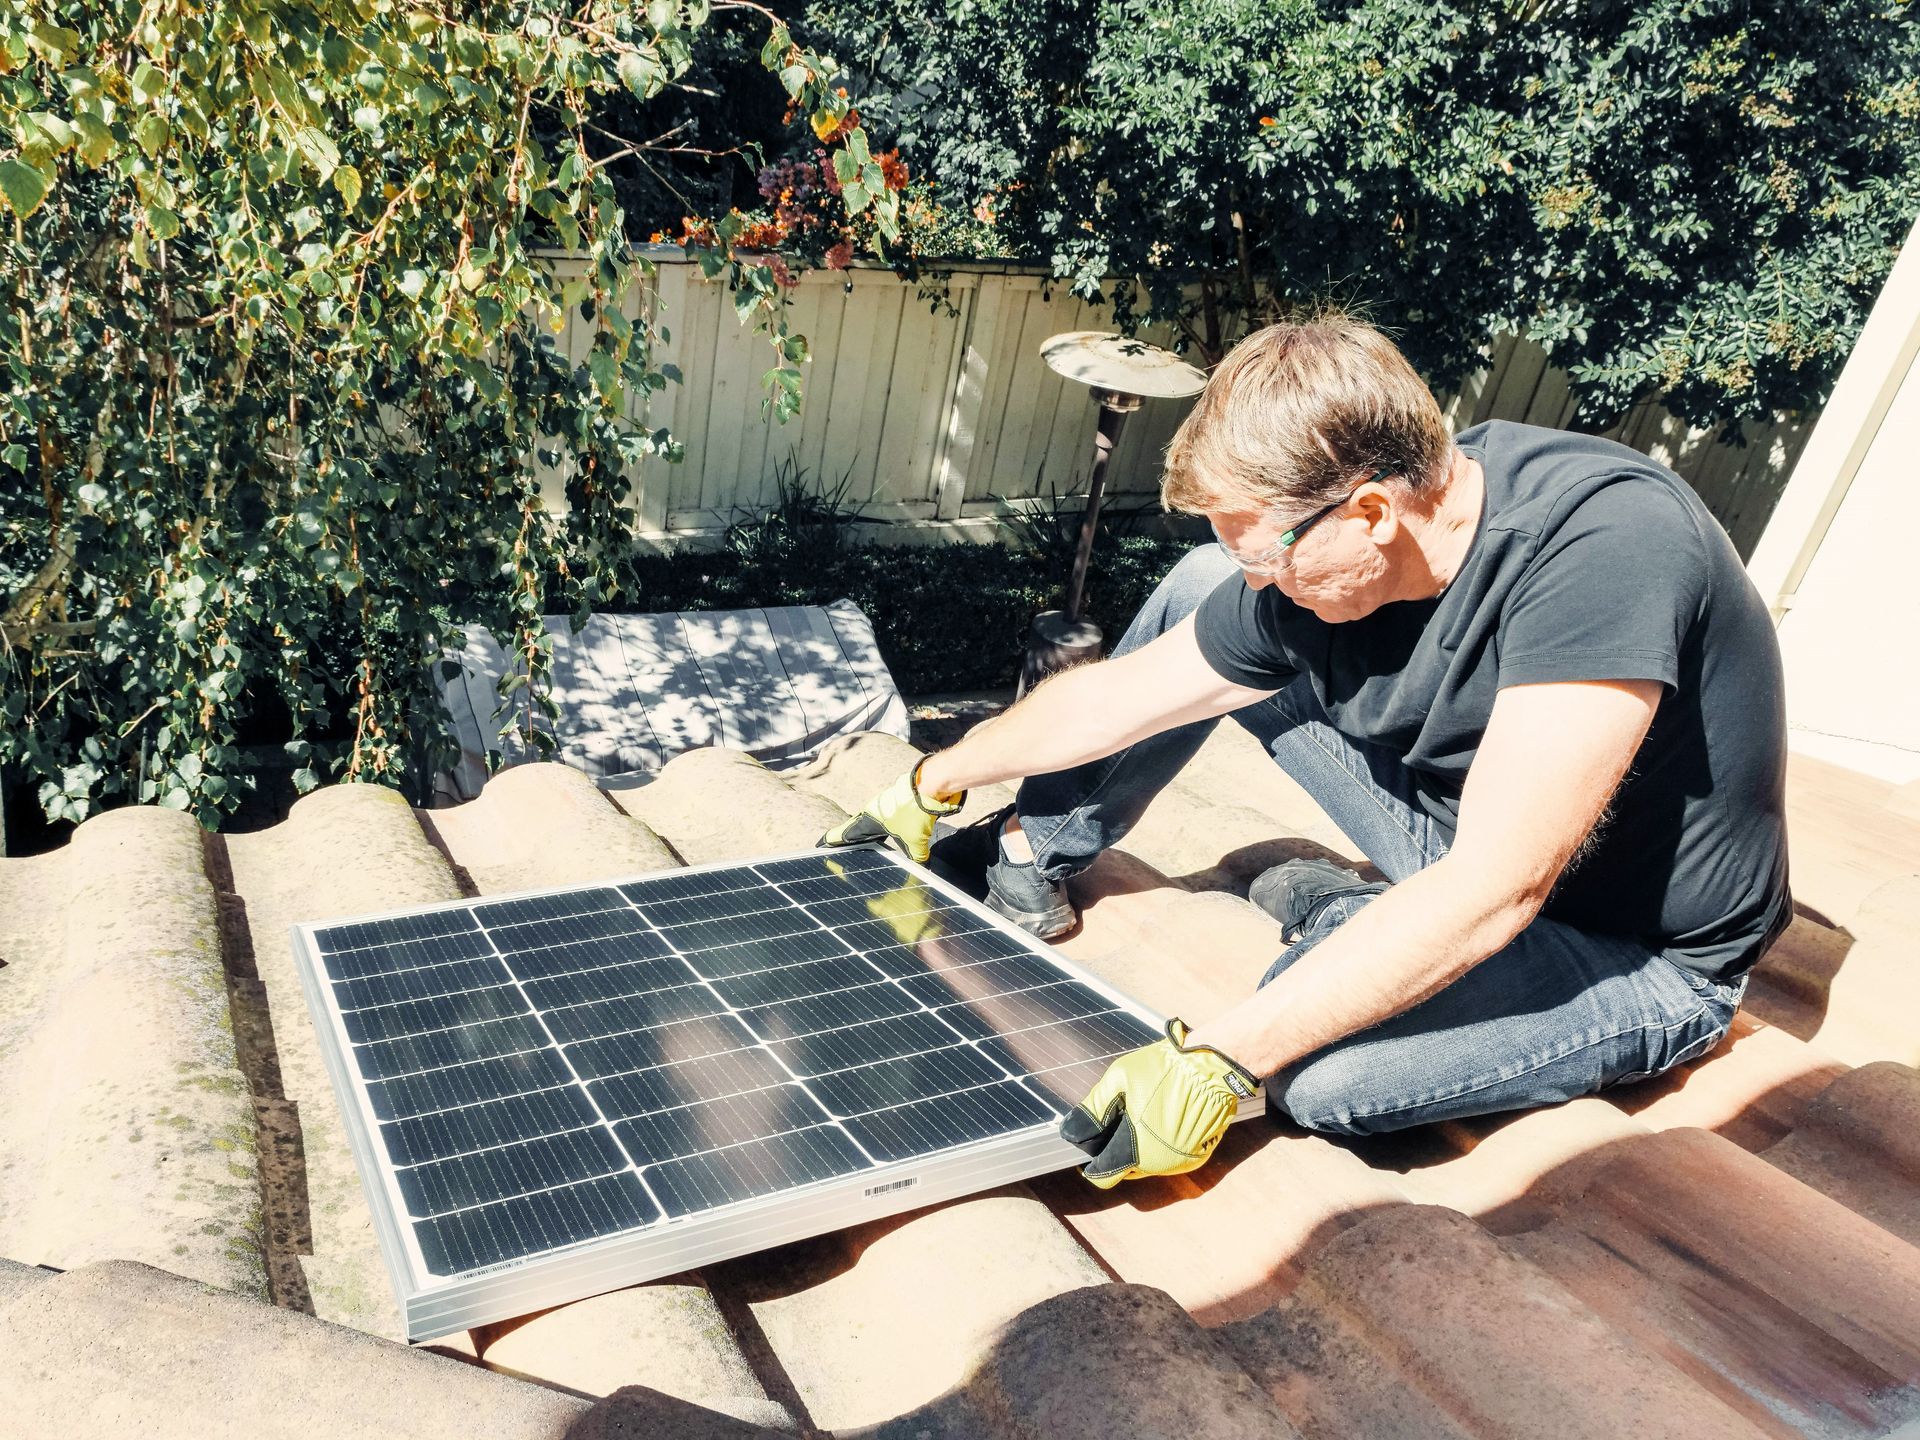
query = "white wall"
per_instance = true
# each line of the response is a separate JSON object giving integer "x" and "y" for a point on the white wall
{"x": 1841, "y": 562}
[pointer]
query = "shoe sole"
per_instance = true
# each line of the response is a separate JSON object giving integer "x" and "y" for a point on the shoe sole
{"x": 1041, "y": 924}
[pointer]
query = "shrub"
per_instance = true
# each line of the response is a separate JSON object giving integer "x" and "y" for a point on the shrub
{"x": 946, "y": 617}
{"x": 1693, "y": 197}
{"x": 281, "y": 376}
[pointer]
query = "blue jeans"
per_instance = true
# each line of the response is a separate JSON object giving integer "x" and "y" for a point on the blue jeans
{"x": 1558, "y": 1012}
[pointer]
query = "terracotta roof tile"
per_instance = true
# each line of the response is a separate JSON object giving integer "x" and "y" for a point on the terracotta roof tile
{"x": 128, "y": 1132}
{"x": 1416, "y": 1322}
{"x": 1728, "y": 1251}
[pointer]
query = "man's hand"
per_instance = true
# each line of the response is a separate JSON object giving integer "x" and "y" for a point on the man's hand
{"x": 901, "y": 813}
{"x": 1158, "y": 1110}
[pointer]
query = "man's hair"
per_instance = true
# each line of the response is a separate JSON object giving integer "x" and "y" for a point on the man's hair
{"x": 1300, "y": 413}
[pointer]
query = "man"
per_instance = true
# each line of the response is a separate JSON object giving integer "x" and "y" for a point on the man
{"x": 1522, "y": 669}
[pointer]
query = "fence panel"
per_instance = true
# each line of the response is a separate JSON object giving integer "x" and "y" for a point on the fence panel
{"x": 942, "y": 414}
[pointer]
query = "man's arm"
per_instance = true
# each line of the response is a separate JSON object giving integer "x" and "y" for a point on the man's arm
{"x": 1090, "y": 712}
{"x": 1551, "y": 759}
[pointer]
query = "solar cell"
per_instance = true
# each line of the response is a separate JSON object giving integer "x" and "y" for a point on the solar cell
{"x": 553, "y": 1094}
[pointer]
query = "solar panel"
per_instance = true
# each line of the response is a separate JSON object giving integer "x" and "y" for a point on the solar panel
{"x": 556, "y": 1094}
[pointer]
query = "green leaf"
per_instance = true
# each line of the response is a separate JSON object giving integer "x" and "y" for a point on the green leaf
{"x": 413, "y": 283}
{"x": 162, "y": 222}
{"x": 24, "y": 186}
{"x": 152, "y": 132}
{"x": 643, "y": 74}
{"x": 56, "y": 42}
{"x": 663, "y": 14}
{"x": 95, "y": 142}
{"x": 347, "y": 181}
{"x": 606, "y": 373}
{"x": 316, "y": 147}
{"x": 51, "y": 131}
{"x": 845, "y": 168}
{"x": 148, "y": 83}
{"x": 855, "y": 197}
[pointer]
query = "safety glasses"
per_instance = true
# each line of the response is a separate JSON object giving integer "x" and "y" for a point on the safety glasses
{"x": 1291, "y": 536}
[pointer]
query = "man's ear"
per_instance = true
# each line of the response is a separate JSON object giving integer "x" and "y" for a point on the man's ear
{"x": 1379, "y": 507}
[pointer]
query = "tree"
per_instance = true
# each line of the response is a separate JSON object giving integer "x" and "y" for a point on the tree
{"x": 1695, "y": 197}
{"x": 281, "y": 371}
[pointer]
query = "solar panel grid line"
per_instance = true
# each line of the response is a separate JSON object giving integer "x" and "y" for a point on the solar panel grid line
{"x": 565, "y": 1060}
{"x": 489, "y": 1079}
{"x": 414, "y": 984}
{"x": 402, "y": 1019}
{"x": 434, "y": 1188}
{"x": 884, "y": 979}
{"x": 737, "y": 1015}
{"x": 451, "y": 1064}
{"x": 411, "y": 1142}
{"x": 367, "y": 962}
{"x": 806, "y": 906}
{"x": 498, "y": 1144}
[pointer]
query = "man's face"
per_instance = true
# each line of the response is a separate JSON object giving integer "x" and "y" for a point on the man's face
{"x": 1336, "y": 566}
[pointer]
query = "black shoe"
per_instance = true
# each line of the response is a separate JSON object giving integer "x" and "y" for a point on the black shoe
{"x": 1296, "y": 892}
{"x": 971, "y": 857}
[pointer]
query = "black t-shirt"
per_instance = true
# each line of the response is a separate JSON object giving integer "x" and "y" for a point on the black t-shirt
{"x": 1590, "y": 562}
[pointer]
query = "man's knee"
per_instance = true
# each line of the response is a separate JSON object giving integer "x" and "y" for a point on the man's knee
{"x": 1195, "y": 577}
{"x": 1329, "y": 1093}
{"x": 1177, "y": 596}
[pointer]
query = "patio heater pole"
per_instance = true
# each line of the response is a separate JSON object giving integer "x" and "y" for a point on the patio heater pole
{"x": 1114, "y": 409}
{"x": 1122, "y": 373}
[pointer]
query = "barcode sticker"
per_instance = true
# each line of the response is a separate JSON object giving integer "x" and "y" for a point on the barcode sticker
{"x": 891, "y": 1186}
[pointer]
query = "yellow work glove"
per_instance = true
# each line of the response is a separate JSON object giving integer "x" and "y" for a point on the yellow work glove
{"x": 901, "y": 813}
{"x": 1158, "y": 1110}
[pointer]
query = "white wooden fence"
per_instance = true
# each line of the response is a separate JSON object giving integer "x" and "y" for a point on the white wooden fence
{"x": 940, "y": 416}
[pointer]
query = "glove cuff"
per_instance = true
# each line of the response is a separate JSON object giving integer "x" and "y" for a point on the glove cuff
{"x": 929, "y": 804}
{"x": 1237, "y": 1078}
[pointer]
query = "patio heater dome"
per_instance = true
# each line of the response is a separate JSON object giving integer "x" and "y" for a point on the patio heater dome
{"x": 1123, "y": 374}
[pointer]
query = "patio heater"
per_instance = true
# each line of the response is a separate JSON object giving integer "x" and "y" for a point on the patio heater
{"x": 1123, "y": 374}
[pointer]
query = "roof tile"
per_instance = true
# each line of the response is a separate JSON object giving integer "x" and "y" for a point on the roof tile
{"x": 883, "y": 1318}
{"x": 1631, "y": 1273}
{"x": 713, "y": 805}
{"x": 118, "y": 1349}
{"x": 346, "y": 850}
{"x": 1769, "y": 1294}
{"x": 1114, "y": 1360}
{"x": 129, "y": 1128}
{"x": 1416, "y": 1322}
{"x": 1859, "y": 1143}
